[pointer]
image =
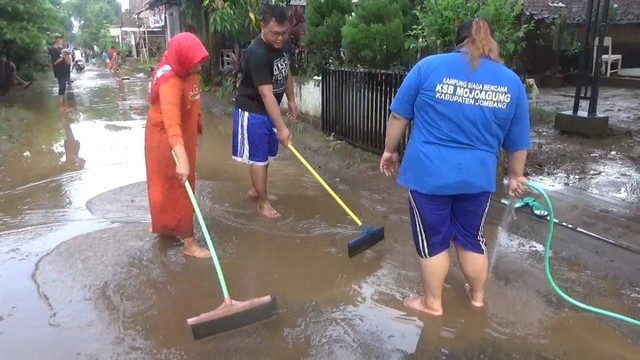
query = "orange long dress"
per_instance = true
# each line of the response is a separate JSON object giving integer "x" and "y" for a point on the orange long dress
{"x": 173, "y": 120}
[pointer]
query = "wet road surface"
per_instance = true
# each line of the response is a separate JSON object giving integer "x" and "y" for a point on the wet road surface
{"x": 83, "y": 279}
{"x": 608, "y": 165}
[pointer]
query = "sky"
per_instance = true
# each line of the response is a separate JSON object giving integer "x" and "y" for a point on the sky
{"x": 124, "y": 3}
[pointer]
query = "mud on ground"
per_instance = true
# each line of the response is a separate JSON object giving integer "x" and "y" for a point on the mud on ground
{"x": 12, "y": 126}
{"x": 608, "y": 165}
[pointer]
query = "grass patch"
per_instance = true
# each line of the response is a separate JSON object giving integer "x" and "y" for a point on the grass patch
{"x": 227, "y": 91}
{"x": 13, "y": 123}
{"x": 541, "y": 116}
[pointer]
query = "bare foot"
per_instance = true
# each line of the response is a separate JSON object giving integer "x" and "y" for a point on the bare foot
{"x": 474, "y": 302}
{"x": 253, "y": 194}
{"x": 150, "y": 228}
{"x": 417, "y": 303}
{"x": 193, "y": 249}
{"x": 265, "y": 209}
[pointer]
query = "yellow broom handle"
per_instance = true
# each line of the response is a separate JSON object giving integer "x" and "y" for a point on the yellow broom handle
{"x": 335, "y": 196}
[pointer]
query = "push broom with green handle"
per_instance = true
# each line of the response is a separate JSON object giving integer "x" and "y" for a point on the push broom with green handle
{"x": 232, "y": 314}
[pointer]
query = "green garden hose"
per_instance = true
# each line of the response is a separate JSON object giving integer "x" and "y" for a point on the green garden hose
{"x": 547, "y": 265}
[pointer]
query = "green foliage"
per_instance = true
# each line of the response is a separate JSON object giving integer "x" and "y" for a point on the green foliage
{"x": 105, "y": 40}
{"x": 25, "y": 28}
{"x": 438, "y": 21}
{"x": 371, "y": 38}
{"x": 95, "y": 17}
{"x": 13, "y": 122}
{"x": 232, "y": 18}
{"x": 324, "y": 22}
{"x": 81, "y": 9}
{"x": 227, "y": 90}
{"x": 504, "y": 16}
{"x": 558, "y": 37}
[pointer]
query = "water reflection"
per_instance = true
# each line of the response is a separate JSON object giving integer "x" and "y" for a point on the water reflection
{"x": 72, "y": 148}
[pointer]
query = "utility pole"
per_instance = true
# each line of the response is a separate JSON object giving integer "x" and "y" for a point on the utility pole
{"x": 579, "y": 122}
{"x": 120, "y": 37}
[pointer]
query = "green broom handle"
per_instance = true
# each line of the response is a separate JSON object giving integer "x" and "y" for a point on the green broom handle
{"x": 207, "y": 237}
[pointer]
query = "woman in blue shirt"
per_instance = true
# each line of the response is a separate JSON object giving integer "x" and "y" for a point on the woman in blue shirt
{"x": 464, "y": 106}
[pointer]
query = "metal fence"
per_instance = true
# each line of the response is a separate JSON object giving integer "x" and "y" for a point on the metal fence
{"x": 355, "y": 105}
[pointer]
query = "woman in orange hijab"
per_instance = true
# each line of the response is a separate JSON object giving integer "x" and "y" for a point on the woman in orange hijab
{"x": 174, "y": 124}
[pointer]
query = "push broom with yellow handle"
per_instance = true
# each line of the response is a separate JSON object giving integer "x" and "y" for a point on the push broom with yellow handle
{"x": 369, "y": 235}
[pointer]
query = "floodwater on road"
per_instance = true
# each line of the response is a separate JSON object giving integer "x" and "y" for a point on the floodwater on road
{"x": 83, "y": 279}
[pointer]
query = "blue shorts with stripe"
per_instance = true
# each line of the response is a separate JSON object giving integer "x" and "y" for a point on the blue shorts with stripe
{"x": 436, "y": 220}
{"x": 254, "y": 138}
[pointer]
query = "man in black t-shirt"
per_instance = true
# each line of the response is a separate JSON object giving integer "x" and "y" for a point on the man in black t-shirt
{"x": 61, "y": 63}
{"x": 258, "y": 126}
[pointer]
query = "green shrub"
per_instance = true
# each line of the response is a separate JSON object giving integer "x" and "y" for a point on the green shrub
{"x": 373, "y": 36}
{"x": 25, "y": 29}
{"x": 438, "y": 21}
{"x": 324, "y": 22}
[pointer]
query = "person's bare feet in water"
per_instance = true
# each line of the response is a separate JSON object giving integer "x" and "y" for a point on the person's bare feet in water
{"x": 265, "y": 208}
{"x": 253, "y": 194}
{"x": 192, "y": 248}
{"x": 419, "y": 303}
{"x": 476, "y": 298}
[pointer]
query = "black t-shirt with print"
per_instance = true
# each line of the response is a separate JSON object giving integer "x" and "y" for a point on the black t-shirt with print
{"x": 61, "y": 70}
{"x": 263, "y": 64}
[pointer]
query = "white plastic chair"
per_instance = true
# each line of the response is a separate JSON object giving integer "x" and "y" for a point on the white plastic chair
{"x": 607, "y": 59}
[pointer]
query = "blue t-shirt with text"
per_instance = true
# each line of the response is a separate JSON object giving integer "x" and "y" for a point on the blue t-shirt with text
{"x": 461, "y": 117}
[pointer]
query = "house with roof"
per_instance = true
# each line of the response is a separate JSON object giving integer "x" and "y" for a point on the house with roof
{"x": 148, "y": 25}
{"x": 165, "y": 13}
{"x": 624, "y": 31}
{"x": 126, "y": 31}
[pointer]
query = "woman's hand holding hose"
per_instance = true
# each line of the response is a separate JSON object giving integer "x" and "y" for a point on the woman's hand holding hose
{"x": 517, "y": 186}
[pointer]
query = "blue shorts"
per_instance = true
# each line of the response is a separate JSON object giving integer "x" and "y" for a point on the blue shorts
{"x": 438, "y": 219}
{"x": 254, "y": 138}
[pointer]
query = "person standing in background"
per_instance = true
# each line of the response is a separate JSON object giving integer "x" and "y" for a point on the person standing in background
{"x": 9, "y": 76}
{"x": 61, "y": 64}
{"x": 105, "y": 59}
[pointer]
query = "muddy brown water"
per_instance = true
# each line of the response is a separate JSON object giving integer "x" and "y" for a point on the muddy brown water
{"x": 609, "y": 165}
{"x": 83, "y": 279}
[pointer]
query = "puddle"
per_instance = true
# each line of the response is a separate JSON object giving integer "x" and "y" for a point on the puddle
{"x": 83, "y": 278}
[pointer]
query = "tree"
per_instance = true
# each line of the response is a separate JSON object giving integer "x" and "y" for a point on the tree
{"x": 102, "y": 17}
{"x": 94, "y": 17}
{"x": 372, "y": 38}
{"x": 438, "y": 21}
{"x": 25, "y": 28}
{"x": 325, "y": 20}
{"x": 80, "y": 8}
